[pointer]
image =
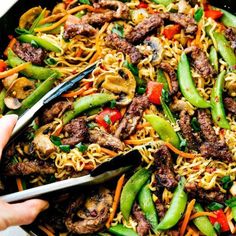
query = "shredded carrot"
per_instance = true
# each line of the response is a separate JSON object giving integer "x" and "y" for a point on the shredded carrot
{"x": 53, "y": 26}
{"x": 177, "y": 151}
{"x": 76, "y": 93}
{"x": 191, "y": 231}
{"x": 229, "y": 218}
{"x": 79, "y": 52}
{"x": 85, "y": 7}
{"x": 10, "y": 45}
{"x": 58, "y": 131}
{"x": 14, "y": 70}
{"x": 198, "y": 34}
{"x": 140, "y": 126}
{"x": 94, "y": 57}
{"x": 52, "y": 18}
{"x": 122, "y": 111}
{"x": 46, "y": 231}
{"x": 89, "y": 91}
{"x": 187, "y": 216}
{"x": 88, "y": 166}
{"x": 137, "y": 141}
{"x": 168, "y": 80}
{"x": 203, "y": 213}
{"x": 116, "y": 200}
{"x": 109, "y": 152}
{"x": 19, "y": 184}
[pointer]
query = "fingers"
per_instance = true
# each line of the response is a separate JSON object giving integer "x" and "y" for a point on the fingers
{"x": 20, "y": 213}
{"x": 7, "y": 124}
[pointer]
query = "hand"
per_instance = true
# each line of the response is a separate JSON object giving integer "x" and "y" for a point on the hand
{"x": 21, "y": 213}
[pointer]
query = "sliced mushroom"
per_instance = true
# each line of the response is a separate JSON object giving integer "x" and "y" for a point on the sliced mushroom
{"x": 12, "y": 103}
{"x": 121, "y": 82}
{"x": 9, "y": 80}
{"x": 21, "y": 88}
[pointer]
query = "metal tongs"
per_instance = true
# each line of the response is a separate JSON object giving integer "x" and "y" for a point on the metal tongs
{"x": 105, "y": 171}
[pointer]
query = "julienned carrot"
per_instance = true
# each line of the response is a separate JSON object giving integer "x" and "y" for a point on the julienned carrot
{"x": 10, "y": 45}
{"x": 137, "y": 141}
{"x": 76, "y": 93}
{"x": 19, "y": 184}
{"x": 58, "y": 131}
{"x": 85, "y": 7}
{"x": 198, "y": 34}
{"x": 187, "y": 217}
{"x": 202, "y": 213}
{"x": 46, "y": 231}
{"x": 14, "y": 70}
{"x": 177, "y": 151}
{"x": 94, "y": 57}
{"x": 88, "y": 166}
{"x": 116, "y": 200}
{"x": 191, "y": 232}
{"x": 140, "y": 126}
{"x": 109, "y": 152}
{"x": 79, "y": 52}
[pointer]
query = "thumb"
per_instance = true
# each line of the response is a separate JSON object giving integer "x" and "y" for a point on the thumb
{"x": 20, "y": 213}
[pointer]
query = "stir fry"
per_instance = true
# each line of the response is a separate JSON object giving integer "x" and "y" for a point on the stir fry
{"x": 164, "y": 84}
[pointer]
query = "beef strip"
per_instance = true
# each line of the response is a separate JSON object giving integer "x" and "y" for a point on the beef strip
{"x": 173, "y": 79}
{"x": 140, "y": 31}
{"x": 193, "y": 139}
{"x": 54, "y": 111}
{"x": 29, "y": 53}
{"x": 77, "y": 131}
{"x": 200, "y": 62}
{"x": 120, "y": 44}
{"x": 97, "y": 18}
{"x": 143, "y": 226}
{"x": 230, "y": 104}
{"x": 230, "y": 34}
{"x": 29, "y": 167}
{"x": 161, "y": 211}
{"x": 164, "y": 173}
{"x": 132, "y": 116}
{"x": 105, "y": 140}
{"x": 204, "y": 195}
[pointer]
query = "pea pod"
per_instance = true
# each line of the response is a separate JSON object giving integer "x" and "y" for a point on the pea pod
{"x": 85, "y": 103}
{"x": 234, "y": 212}
{"x": 131, "y": 189}
{"x": 32, "y": 71}
{"x": 28, "y": 38}
{"x": 164, "y": 129}
{"x": 217, "y": 111}
{"x": 121, "y": 230}
{"x": 203, "y": 223}
{"x": 147, "y": 206}
{"x": 37, "y": 20}
{"x": 214, "y": 58}
{"x": 2, "y": 104}
{"x": 176, "y": 209}
{"x": 162, "y": 79}
{"x": 228, "y": 19}
{"x": 163, "y": 2}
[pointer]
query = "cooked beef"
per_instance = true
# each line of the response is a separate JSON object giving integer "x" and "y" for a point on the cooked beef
{"x": 120, "y": 44}
{"x": 161, "y": 211}
{"x": 77, "y": 131}
{"x": 193, "y": 139}
{"x": 173, "y": 79}
{"x": 217, "y": 150}
{"x": 29, "y": 53}
{"x": 132, "y": 116}
{"x": 200, "y": 62}
{"x": 164, "y": 173}
{"x": 140, "y": 31}
{"x": 29, "y": 167}
{"x": 230, "y": 34}
{"x": 143, "y": 226}
{"x": 105, "y": 140}
{"x": 54, "y": 111}
{"x": 204, "y": 195}
{"x": 87, "y": 216}
{"x": 230, "y": 104}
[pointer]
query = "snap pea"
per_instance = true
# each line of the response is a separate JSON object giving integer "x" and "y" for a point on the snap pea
{"x": 187, "y": 86}
{"x": 37, "y": 20}
{"x": 234, "y": 212}
{"x": 85, "y": 103}
{"x": 53, "y": 31}
{"x": 32, "y": 71}
{"x": 217, "y": 111}
{"x": 121, "y": 230}
{"x": 203, "y": 223}
{"x": 131, "y": 189}
{"x": 228, "y": 19}
{"x": 164, "y": 129}
{"x": 148, "y": 207}
{"x": 28, "y": 38}
{"x": 162, "y": 79}
{"x": 163, "y": 2}
{"x": 176, "y": 209}
{"x": 214, "y": 58}
{"x": 2, "y": 104}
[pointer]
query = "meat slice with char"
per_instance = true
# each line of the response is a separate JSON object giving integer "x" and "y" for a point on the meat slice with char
{"x": 140, "y": 31}
{"x": 105, "y": 140}
{"x": 29, "y": 53}
{"x": 230, "y": 34}
{"x": 120, "y": 44}
{"x": 230, "y": 104}
{"x": 132, "y": 116}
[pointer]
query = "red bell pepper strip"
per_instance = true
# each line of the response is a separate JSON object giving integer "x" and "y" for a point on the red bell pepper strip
{"x": 154, "y": 90}
{"x": 170, "y": 31}
{"x": 107, "y": 117}
{"x": 214, "y": 14}
{"x": 3, "y": 66}
{"x": 142, "y": 5}
{"x": 221, "y": 219}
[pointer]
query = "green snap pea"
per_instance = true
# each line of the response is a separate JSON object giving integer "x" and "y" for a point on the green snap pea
{"x": 53, "y": 31}
{"x": 147, "y": 205}
{"x": 217, "y": 111}
{"x": 162, "y": 79}
{"x": 2, "y": 103}
{"x": 203, "y": 223}
{"x": 214, "y": 58}
{"x": 37, "y": 20}
{"x": 228, "y": 19}
{"x": 234, "y": 212}
{"x": 131, "y": 189}
{"x": 163, "y": 2}
{"x": 32, "y": 71}
{"x": 121, "y": 230}
{"x": 28, "y": 38}
{"x": 187, "y": 86}
{"x": 86, "y": 103}
{"x": 176, "y": 209}
{"x": 164, "y": 129}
